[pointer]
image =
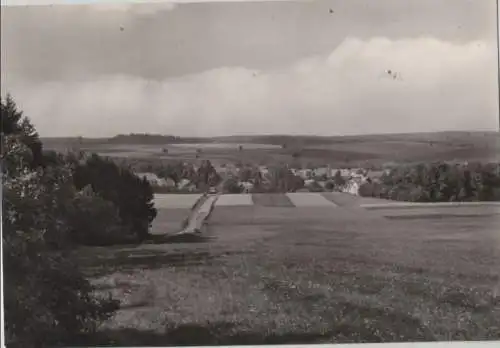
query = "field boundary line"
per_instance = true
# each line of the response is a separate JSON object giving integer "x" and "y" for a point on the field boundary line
{"x": 396, "y": 205}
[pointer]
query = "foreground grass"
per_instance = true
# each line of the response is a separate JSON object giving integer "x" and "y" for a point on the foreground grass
{"x": 305, "y": 281}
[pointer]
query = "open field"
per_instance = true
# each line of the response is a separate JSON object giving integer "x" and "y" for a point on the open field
{"x": 169, "y": 220}
{"x": 309, "y": 199}
{"x": 339, "y": 151}
{"x": 271, "y": 200}
{"x": 279, "y": 274}
{"x": 230, "y": 146}
{"x": 175, "y": 201}
{"x": 234, "y": 200}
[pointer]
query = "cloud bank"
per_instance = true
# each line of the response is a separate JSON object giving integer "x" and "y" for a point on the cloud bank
{"x": 441, "y": 86}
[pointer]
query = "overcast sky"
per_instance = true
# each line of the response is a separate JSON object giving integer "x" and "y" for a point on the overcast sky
{"x": 315, "y": 67}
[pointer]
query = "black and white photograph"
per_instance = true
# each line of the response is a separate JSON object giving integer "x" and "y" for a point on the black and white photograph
{"x": 250, "y": 172}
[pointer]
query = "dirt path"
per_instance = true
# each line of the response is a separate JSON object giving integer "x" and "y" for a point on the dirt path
{"x": 200, "y": 214}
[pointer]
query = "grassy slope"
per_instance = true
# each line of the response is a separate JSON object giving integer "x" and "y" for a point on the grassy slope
{"x": 288, "y": 275}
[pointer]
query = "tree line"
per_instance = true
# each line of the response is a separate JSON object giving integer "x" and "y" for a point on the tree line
{"x": 438, "y": 182}
{"x": 146, "y": 138}
{"x": 53, "y": 203}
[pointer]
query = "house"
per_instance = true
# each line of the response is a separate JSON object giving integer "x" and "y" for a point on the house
{"x": 305, "y": 173}
{"x": 352, "y": 186}
{"x": 222, "y": 171}
{"x": 263, "y": 170}
{"x": 320, "y": 172}
{"x": 375, "y": 175}
{"x": 322, "y": 183}
{"x": 345, "y": 172}
{"x": 266, "y": 178}
{"x": 247, "y": 186}
{"x": 184, "y": 183}
{"x": 309, "y": 182}
{"x": 153, "y": 179}
{"x": 191, "y": 187}
{"x": 169, "y": 182}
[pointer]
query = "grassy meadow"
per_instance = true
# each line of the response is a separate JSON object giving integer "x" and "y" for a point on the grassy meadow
{"x": 279, "y": 275}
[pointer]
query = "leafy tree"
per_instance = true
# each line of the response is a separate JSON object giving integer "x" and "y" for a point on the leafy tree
{"x": 206, "y": 175}
{"x": 295, "y": 182}
{"x": 47, "y": 299}
{"x": 283, "y": 180}
{"x": 52, "y": 158}
{"x": 246, "y": 174}
{"x": 173, "y": 171}
{"x": 330, "y": 186}
{"x": 231, "y": 185}
{"x": 338, "y": 180}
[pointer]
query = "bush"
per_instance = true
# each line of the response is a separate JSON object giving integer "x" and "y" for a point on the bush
{"x": 330, "y": 186}
{"x": 95, "y": 221}
{"x": 47, "y": 300}
{"x": 132, "y": 195}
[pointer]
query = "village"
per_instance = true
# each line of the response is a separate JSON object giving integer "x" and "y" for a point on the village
{"x": 256, "y": 179}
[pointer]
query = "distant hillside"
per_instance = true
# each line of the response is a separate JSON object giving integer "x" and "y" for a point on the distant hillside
{"x": 308, "y": 140}
{"x": 337, "y": 150}
{"x": 293, "y": 140}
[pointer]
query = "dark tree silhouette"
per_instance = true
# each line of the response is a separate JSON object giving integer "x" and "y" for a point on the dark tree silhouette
{"x": 132, "y": 195}
{"x": 14, "y": 123}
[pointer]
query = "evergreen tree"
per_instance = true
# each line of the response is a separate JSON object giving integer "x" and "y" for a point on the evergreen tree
{"x": 14, "y": 123}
